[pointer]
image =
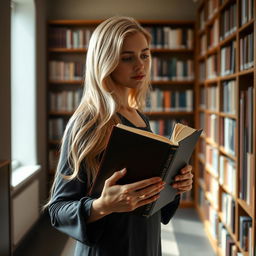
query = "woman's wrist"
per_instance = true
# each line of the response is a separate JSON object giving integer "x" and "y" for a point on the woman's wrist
{"x": 98, "y": 210}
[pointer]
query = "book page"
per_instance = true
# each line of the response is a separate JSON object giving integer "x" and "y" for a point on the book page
{"x": 147, "y": 134}
{"x": 180, "y": 132}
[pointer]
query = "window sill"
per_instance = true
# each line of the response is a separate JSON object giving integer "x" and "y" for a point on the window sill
{"x": 22, "y": 174}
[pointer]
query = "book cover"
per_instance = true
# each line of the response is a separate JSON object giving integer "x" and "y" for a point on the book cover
{"x": 144, "y": 155}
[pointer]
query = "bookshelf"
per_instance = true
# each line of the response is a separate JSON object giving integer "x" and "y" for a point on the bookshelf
{"x": 173, "y": 81}
{"x": 225, "y": 100}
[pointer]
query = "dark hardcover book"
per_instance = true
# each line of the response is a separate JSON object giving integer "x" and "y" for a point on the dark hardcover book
{"x": 146, "y": 155}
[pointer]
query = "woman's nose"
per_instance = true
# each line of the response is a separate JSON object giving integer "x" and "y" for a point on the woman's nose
{"x": 139, "y": 64}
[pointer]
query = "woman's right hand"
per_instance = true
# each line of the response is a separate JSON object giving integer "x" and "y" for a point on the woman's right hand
{"x": 124, "y": 198}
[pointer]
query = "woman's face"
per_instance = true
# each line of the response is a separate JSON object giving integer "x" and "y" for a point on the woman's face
{"x": 134, "y": 63}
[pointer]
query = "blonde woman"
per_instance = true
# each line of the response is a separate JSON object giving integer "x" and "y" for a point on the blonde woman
{"x": 116, "y": 82}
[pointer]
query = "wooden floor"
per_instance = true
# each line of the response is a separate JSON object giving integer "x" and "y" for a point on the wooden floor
{"x": 183, "y": 236}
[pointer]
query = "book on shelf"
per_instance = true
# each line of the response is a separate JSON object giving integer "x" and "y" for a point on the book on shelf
{"x": 146, "y": 155}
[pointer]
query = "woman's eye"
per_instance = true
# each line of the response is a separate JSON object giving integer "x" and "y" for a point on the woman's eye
{"x": 126, "y": 59}
{"x": 145, "y": 56}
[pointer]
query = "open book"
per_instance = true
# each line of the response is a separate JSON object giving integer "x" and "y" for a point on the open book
{"x": 146, "y": 155}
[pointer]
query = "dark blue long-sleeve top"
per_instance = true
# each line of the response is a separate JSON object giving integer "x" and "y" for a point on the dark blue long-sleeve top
{"x": 123, "y": 234}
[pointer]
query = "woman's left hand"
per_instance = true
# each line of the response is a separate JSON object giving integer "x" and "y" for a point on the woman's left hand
{"x": 183, "y": 181}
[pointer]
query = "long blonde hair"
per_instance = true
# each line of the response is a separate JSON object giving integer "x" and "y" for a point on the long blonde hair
{"x": 90, "y": 124}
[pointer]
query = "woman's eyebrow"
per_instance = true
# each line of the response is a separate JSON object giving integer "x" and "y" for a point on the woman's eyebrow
{"x": 130, "y": 52}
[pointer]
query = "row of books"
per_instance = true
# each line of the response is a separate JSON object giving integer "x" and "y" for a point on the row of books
{"x": 212, "y": 216}
{"x": 247, "y": 7}
{"x": 202, "y": 121}
{"x": 202, "y": 71}
{"x": 218, "y": 229}
{"x": 172, "y": 69}
{"x": 212, "y": 100}
{"x": 65, "y": 100}
{"x": 212, "y": 8}
{"x": 227, "y": 174}
{"x": 228, "y": 211}
{"x": 213, "y": 35}
{"x": 211, "y": 159}
{"x": 229, "y": 97}
{"x": 53, "y": 157}
{"x": 171, "y": 38}
{"x": 166, "y": 100}
{"x": 228, "y": 21}
{"x": 62, "y": 70}
{"x": 227, "y": 138}
{"x": 212, "y": 66}
{"x": 228, "y": 59}
{"x": 211, "y": 130}
{"x": 203, "y": 45}
{"x": 164, "y": 127}
{"x": 245, "y": 233}
{"x": 69, "y": 38}
{"x": 202, "y": 19}
{"x": 246, "y": 52}
{"x": 246, "y": 139}
{"x": 56, "y": 128}
{"x": 209, "y": 97}
{"x": 225, "y": 241}
{"x": 212, "y": 190}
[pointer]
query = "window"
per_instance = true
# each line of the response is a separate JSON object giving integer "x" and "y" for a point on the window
{"x": 23, "y": 89}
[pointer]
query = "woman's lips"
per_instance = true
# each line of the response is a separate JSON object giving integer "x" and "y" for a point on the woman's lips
{"x": 139, "y": 77}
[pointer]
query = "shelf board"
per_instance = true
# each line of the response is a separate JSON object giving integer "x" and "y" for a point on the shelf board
{"x": 212, "y": 50}
{"x": 227, "y": 191}
{"x": 55, "y": 142}
{"x": 228, "y": 39}
{"x": 182, "y": 50}
{"x": 77, "y": 82}
{"x": 223, "y": 151}
{"x": 233, "y": 116}
{"x": 186, "y": 204}
{"x": 61, "y": 113}
{"x": 246, "y": 72}
{"x": 212, "y": 142}
{"x": 74, "y": 22}
{"x": 246, "y": 26}
{"x": 211, "y": 80}
{"x": 213, "y": 17}
{"x": 228, "y": 77}
{"x": 246, "y": 207}
{"x": 209, "y": 170}
{"x": 173, "y": 82}
{"x": 169, "y": 113}
{"x": 201, "y": 31}
{"x": 67, "y": 50}
{"x": 227, "y": 227}
{"x": 201, "y": 57}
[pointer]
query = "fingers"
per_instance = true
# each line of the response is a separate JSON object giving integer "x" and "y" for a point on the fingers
{"x": 186, "y": 176}
{"x": 115, "y": 177}
{"x": 142, "y": 184}
{"x": 186, "y": 169}
{"x": 150, "y": 191}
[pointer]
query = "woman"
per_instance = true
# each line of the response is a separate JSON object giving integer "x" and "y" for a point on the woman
{"x": 116, "y": 82}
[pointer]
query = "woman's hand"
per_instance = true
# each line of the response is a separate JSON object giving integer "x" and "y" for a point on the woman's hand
{"x": 183, "y": 182}
{"x": 125, "y": 198}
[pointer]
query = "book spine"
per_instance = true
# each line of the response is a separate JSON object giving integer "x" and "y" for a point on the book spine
{"x": 148, "y": 209}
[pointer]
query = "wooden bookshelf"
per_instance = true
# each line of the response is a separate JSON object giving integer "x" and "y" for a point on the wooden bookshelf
{"x": 229, "y": 80}
{"x": 59, "y": 49}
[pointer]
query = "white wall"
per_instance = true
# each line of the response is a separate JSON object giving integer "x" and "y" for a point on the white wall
{"x": 139, "y": 9}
